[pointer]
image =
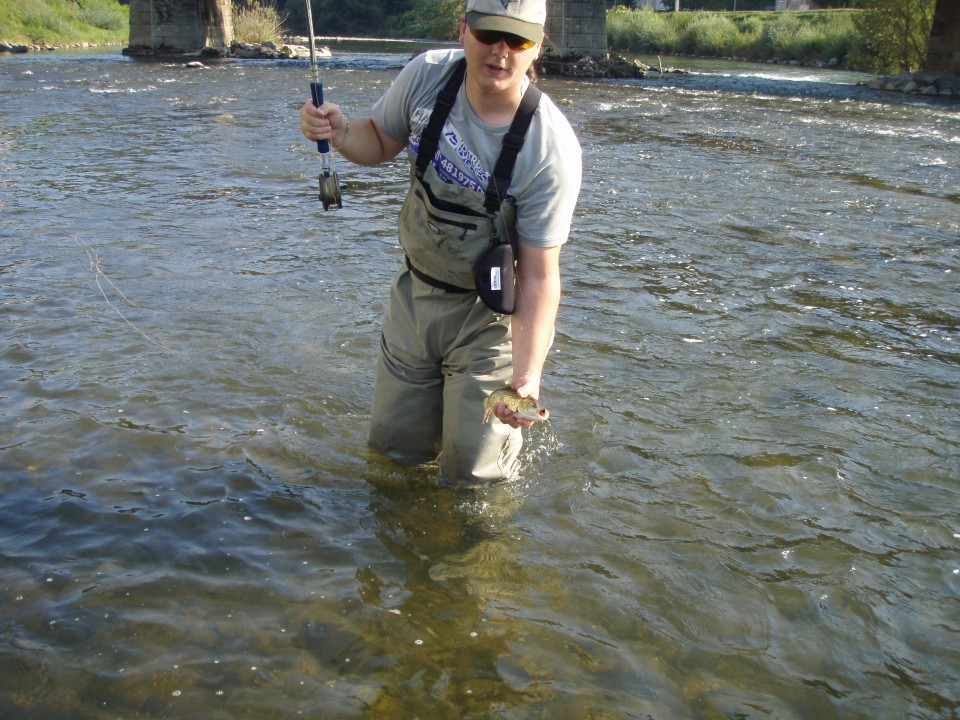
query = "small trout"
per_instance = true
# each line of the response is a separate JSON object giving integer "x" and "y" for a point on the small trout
{"x": 525, "y": 408}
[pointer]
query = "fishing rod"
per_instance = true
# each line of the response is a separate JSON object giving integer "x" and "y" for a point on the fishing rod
{"x": 329, "y": 182}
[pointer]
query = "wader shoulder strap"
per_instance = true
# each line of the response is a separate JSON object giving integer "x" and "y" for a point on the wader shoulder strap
{"x": 430, "y": 137}
{"x": 512, "y": 142}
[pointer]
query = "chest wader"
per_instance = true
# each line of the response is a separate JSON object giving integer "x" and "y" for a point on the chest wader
{"x": 455, "y": 240}
{"x": 442, "y": 353}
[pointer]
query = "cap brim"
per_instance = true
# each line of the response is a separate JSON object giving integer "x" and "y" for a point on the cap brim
{"x": 499, "y": 23}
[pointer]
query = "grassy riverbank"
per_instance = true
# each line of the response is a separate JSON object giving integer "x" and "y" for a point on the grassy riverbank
{"x": 64, "y": 22}
{"x": 814, "y": 37}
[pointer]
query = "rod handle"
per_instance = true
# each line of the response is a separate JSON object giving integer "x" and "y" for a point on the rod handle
{"x": 316, "y": 89}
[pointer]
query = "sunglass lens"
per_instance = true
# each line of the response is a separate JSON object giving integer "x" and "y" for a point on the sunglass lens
{"x": 515, "y": 42}
{"x": 492, "y": 37}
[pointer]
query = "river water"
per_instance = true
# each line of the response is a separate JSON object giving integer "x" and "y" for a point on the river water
{"x": 747, "y": 501}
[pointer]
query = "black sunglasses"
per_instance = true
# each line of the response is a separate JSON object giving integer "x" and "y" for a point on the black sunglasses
{"x": 492, "y": 37}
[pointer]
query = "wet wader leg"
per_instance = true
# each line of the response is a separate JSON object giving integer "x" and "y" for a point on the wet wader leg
{"x": 478, "y": 362}
{"x": 474, "y": 452}
{"x": 407, "y": 416}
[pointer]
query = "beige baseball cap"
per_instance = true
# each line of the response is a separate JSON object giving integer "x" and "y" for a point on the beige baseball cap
{"x": 520, "y": 17}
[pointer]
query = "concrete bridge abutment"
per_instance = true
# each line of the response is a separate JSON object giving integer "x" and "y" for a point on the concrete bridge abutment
{"x": 575, "y": 28}
{"x": 943, "y": 50}
{"x": 179, "y": 26}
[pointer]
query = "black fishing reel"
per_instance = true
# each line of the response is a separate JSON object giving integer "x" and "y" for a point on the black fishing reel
{"x": 330, "y": 189}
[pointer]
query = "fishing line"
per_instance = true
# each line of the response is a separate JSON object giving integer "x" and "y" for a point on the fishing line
{"x": 98, "y": 273}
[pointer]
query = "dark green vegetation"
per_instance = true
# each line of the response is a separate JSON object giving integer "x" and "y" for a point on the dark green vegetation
{"x": 725, "y": 5}
{"x": 257, "y": 22}
{"x": 893, "y": 34}
{"x": 804, "y": 36}
{"x": 885, "y": 36}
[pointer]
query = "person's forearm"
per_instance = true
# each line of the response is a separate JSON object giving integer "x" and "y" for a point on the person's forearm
{"x": 359, "y": 140}
{"x": 533, "y": 325}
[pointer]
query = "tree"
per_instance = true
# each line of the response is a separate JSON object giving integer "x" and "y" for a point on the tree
{"x": 432, "y": 19}
{"x": 895, "y": 33}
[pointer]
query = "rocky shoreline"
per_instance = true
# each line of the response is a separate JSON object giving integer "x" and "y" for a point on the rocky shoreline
{"x": 20, "y": 48}
{"x": 916, "y": 84}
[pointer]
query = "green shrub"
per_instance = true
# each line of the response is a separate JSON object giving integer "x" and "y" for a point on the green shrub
{"x": 438, "y": 19}
{"x": 44, "y": 27}
{"x": 104, "y": 17}
{"x": 779, "y": 36}
{"x": 710, "y": 34}
{"x": 819, "y": 36}
{"x": 839, "y": 37}
{"x": 750, "y": 26}
{"x": 641, "y": 31}
{"x": 617, "y": 19}
{"x": 808, "y": 44}
{"x": 257, "y": 22}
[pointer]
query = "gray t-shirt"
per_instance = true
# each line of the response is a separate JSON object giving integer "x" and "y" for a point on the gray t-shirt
{"x": 546, "y": 177}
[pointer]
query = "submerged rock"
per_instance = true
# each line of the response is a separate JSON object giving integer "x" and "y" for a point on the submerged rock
{"x": 252, "y": 50}
{"x": 611, "y": 66}
{"x": 291, "y": 50}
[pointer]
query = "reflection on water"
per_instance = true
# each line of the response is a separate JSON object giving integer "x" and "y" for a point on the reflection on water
{"x": 744, "y": 504}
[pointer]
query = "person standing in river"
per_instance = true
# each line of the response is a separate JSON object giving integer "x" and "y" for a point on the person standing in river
{"x": 443, "y": 351}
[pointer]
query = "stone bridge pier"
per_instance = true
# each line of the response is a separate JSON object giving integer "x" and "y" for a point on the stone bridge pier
{"x": 576, "y": 28}
{"x": 160, "y": 27}
{"x": 943, "y": 52}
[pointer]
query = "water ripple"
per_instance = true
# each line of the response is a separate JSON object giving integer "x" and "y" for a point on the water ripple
{"x": 744, "y": 503}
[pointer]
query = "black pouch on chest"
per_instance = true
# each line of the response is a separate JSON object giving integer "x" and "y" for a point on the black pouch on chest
{"x": 496, "y": 278}
{"x": 495, "y": 271}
